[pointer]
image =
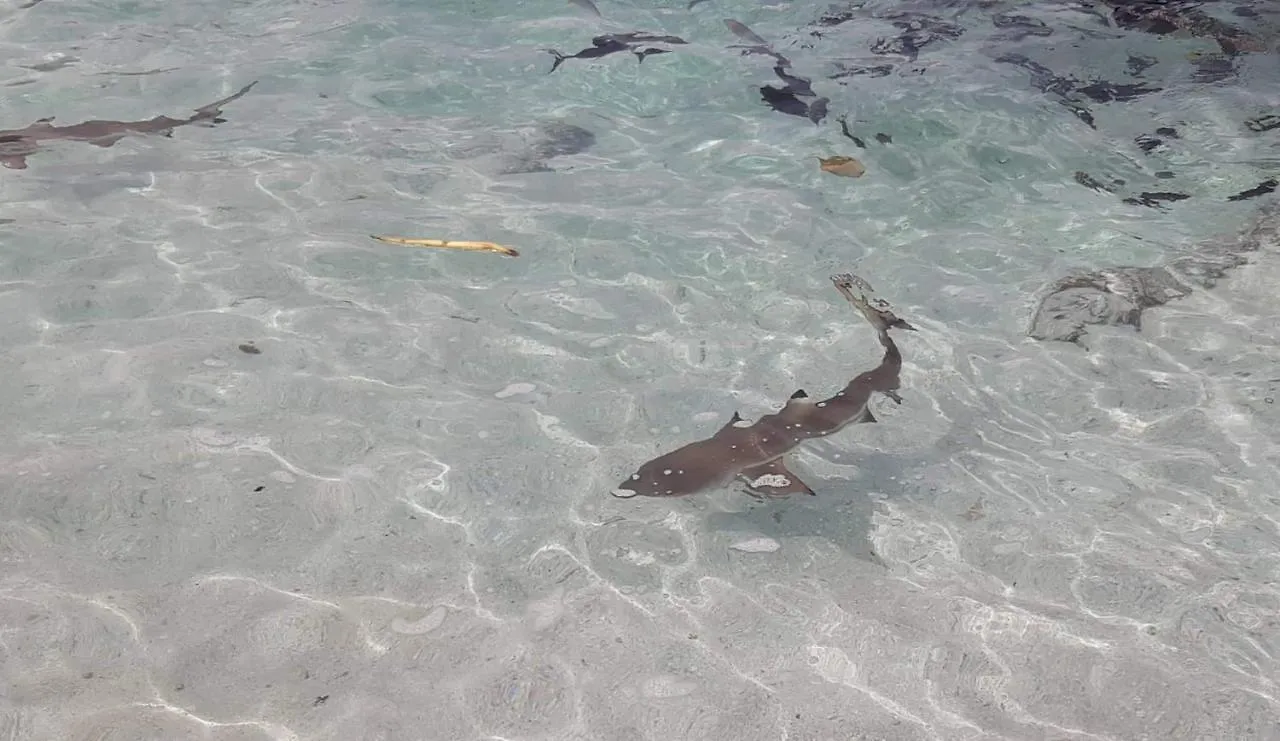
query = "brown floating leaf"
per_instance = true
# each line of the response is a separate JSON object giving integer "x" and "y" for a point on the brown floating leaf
{"x": 450, "y": 244}
{"x": 844, "y": 166}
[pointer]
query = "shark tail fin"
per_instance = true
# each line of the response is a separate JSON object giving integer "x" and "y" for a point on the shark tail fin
{"x": 559, "y": 59}
{"x": 213, "y": 109}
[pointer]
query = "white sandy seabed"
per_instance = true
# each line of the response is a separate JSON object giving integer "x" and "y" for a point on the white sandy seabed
{"x": 392, "y": 521}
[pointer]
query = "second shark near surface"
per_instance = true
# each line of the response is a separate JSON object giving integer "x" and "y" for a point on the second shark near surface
{"x": 18, "y": 144}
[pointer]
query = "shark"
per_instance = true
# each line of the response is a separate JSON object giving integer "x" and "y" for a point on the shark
{"x": 785, "y": 99}
{"x": 755, "y": 453}
{"x": 16, "y": 145}
{"x": 1163, "y": 18}
{"x": 613, "y": 43}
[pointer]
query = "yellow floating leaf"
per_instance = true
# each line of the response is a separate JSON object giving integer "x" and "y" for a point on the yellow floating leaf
{"x": 844, "y": 166}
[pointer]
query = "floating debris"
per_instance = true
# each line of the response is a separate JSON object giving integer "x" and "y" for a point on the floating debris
{"x": 843, "y": 166}
{"x": 450, "y": 244}
{"x": 757, "y": 545}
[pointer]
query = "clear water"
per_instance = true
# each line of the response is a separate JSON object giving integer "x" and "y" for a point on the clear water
{"x": 393, "y": 522}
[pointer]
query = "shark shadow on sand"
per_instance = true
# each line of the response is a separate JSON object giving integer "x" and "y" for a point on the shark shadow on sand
{"x": 18, "y": 144}
{"x": 1118, "y": 296}
{"x": 527, "y": 148}
{"x": 755, "y": 452}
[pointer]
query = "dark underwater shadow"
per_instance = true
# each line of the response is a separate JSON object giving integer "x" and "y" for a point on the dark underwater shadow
{"x": 840, "y": 513}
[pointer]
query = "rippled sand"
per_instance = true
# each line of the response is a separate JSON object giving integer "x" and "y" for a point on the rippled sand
{"x": 392, "y": 521}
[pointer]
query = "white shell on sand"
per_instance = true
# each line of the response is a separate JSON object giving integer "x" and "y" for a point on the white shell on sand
{"x": 425, "y": 624}
{"x": 757, "y": 545}
{"x": 514, "y": 389}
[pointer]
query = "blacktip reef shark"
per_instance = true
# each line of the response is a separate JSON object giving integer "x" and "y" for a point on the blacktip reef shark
{"x": 755, "y": 452}
{"x": 1161, "y": 18}
{"x": 785, "y": 99}
{"x": 616, "y": 42}
{"x": 18, "y": 144}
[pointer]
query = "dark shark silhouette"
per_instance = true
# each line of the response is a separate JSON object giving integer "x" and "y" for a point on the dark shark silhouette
{"x": 618, "y": 42}
{"x": 18, "y": 144}
{"x": 1070, "y": 93}
{"x": 755, "y": 453}
{"x": 1164, "y": 17}
{"x": 788, "y": 98}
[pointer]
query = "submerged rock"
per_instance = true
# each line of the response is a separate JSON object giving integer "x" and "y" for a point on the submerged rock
{"x": 1118, "y": 296}
{"x": 1112, "y": 296}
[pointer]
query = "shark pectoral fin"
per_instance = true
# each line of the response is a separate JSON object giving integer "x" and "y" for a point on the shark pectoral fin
{"x": 773, "y": 478}
{"x": 799, "y": 394}
{"x": 106, "y": 141}
{"x": 866, "y": 416}
{"x": 893, "y": 395}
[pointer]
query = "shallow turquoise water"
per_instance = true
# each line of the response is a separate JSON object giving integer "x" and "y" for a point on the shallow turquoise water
{"x": 401, "y": 503}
